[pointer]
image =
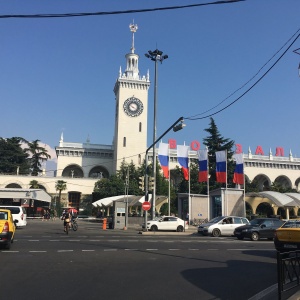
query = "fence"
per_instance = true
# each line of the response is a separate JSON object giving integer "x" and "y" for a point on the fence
{"x": 288, "y": 271}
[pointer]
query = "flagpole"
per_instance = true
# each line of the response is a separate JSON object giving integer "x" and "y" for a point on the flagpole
{"x": 207, "y": 168}
{"x": 189, "y": 167}
{"x": 169, "y": 191}
{"x": 244, "y": 192}
{"x": 226, "y": 196}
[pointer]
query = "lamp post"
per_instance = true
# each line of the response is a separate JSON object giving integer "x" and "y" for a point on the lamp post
{"x": 156, "y": 56}
{"x": 176, "y": 127}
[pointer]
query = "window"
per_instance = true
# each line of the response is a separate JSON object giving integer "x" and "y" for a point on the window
{"x": 124, "y": 141}
{"x": 140, "y": 127}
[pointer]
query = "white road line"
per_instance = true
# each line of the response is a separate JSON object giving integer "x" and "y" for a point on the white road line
{"x": 131, "y": 249}
{"x": 87, "y": 250}
{"x": 151, "y": 249}
{"x": 193, "y": 249}
{"x": 37, "y": 251}
{"x": 8, "y": 251}
{"x": 110, "y": 249}
{"x": 173, "y": 249}
{"x": 65, "y": 250}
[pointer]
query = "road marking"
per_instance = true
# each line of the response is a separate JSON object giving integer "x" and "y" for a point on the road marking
{"x": 65, "y": 250}
{"x": 8, "y": 251}
{"x": 87, "y": 250}
{"x": 193, "y": 249}
{"x": 37, "y": 251}
{"x": 151, "y": 249}
{"x": 131, "y": 249}
{"x": 110, "y": 249}
{"x": 174, "y": 249}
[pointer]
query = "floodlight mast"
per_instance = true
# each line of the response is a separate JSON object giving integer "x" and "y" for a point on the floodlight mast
{"x": 154, "y": 160}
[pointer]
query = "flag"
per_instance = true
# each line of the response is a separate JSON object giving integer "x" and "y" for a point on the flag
{"x": 163, "y": 156}
{"x": 183, "y": 159}
{"x": 221, "y": 172}
{"x": 238, "y": 176}
{"x": 202, "y": 162}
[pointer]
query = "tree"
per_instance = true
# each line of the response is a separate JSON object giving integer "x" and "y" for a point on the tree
{"x": 216, "y": 142}
{"x": 13, "y": 159}
{"x": 60, "y": 186}
{"x": 38, "y": 155}
{"x": 34, "y": 184}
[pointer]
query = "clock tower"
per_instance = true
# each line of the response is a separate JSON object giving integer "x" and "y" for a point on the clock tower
{"x": 131, "y": 93}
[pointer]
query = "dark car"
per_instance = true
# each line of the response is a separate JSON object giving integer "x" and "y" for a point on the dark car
{"x": 258, "y": 228}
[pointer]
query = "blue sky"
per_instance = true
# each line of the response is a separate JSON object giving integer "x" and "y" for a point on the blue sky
{"x": 57, "y": 74}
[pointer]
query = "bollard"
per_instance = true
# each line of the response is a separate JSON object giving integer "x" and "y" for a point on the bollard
{"x": 104, "y": 224}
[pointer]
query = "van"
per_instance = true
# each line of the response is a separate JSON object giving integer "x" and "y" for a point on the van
{"x": 18, "y": 213}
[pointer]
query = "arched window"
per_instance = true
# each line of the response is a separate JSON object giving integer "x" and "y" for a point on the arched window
{"x": 124, "y": 141}
{"x": 140, "y": 127}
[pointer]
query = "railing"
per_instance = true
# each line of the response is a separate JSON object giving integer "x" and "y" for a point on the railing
{"x": 288, "y": 271}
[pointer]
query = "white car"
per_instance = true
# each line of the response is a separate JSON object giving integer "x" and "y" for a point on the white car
{"x": 167, "y": 223}
{"x": 18, "y": 213}
{"x": 223, "y": 225}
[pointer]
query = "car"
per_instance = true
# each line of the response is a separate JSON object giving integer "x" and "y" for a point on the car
{"x": 7, "y": 228}
{"x": 287, "y": 237}
{"x": 18, "y": 213}
{"x": 222, "y": 225}
{"x": 258, "y": 228}
{"x": 167, "y": 223}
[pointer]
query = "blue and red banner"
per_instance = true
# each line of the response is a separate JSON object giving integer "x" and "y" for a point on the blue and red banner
{"x": 202, "y": 162}
{"x": 238, "y": 176}
{"x": 163, "y": 156}
{"x": 221, "y": 167}
{"x": 183, "y": 159}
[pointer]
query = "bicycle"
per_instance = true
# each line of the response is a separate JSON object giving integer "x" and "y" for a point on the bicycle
{"x": 74, "y": 224}
{"x": 67, "y": 227}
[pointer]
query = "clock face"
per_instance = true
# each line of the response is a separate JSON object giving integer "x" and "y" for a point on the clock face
{"x": 133, "y": 107}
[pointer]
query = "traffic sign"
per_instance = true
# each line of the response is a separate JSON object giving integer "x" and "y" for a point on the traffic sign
{"x": 146, "y": 205}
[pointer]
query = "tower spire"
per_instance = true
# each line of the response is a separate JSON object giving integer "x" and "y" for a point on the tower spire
{"x": 133, "y": 28}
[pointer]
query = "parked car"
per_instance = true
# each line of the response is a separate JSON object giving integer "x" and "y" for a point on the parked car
{"x": 287, "y": 237}
{"x": 18, "y": 213}
{"x": 7, "y": 228}
{"x": 223, "y": 225}
{"x": 258, "y": 228}
{"x": 167, "y": 223}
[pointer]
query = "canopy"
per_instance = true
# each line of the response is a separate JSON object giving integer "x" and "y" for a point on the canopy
{"x": 36, "y": 194}
{"x": 132, "y": 200}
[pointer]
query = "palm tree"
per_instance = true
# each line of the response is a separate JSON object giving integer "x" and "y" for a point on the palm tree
{"x": 60, "y": 186}
{"x": 34, "y": 184}
{"x": 38, "y": 154}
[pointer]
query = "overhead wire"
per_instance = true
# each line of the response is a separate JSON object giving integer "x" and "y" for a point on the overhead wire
{"x": 193, "y": 118}
{"x": 131, "y": 11}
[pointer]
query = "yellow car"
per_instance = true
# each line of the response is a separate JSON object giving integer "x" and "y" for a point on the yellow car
{"x": 287, "y": 237}
{"x": 7, "y": 228}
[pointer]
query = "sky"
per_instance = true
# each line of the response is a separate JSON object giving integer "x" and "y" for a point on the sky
{"x": 57, "y": 74}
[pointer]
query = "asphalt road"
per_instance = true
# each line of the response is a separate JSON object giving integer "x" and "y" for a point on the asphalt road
{"x": 45, "y": 263}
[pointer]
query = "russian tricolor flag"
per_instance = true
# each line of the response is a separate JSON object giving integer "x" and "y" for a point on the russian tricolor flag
{"x": 238, "y": 176}
{"x": 202, "y": 162}
{"x": 163, "y": 156}
{"x": 183, "y": 159}
{"x": 221, "y": 170}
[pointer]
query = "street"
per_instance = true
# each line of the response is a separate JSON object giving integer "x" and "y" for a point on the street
{"x": 45, "y": 263}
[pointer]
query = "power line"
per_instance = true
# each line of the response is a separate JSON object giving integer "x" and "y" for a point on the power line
{"x": 193, "y": 118}
{"x": 118, "y": 12}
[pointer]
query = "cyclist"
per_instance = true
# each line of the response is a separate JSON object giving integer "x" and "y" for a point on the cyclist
{"x": 66, "y": 216}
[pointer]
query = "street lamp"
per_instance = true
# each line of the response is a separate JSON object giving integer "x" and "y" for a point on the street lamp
{"x": 156, "y": 56}
{"x": 175, "y": 125}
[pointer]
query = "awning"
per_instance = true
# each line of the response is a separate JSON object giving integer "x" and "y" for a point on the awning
{"x": 132, "y": 200}
{"x": 36, "y": 194}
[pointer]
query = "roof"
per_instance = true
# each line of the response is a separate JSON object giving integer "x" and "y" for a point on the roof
{"x": 279, "y": 199}
{"x": 36, "y": 194}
